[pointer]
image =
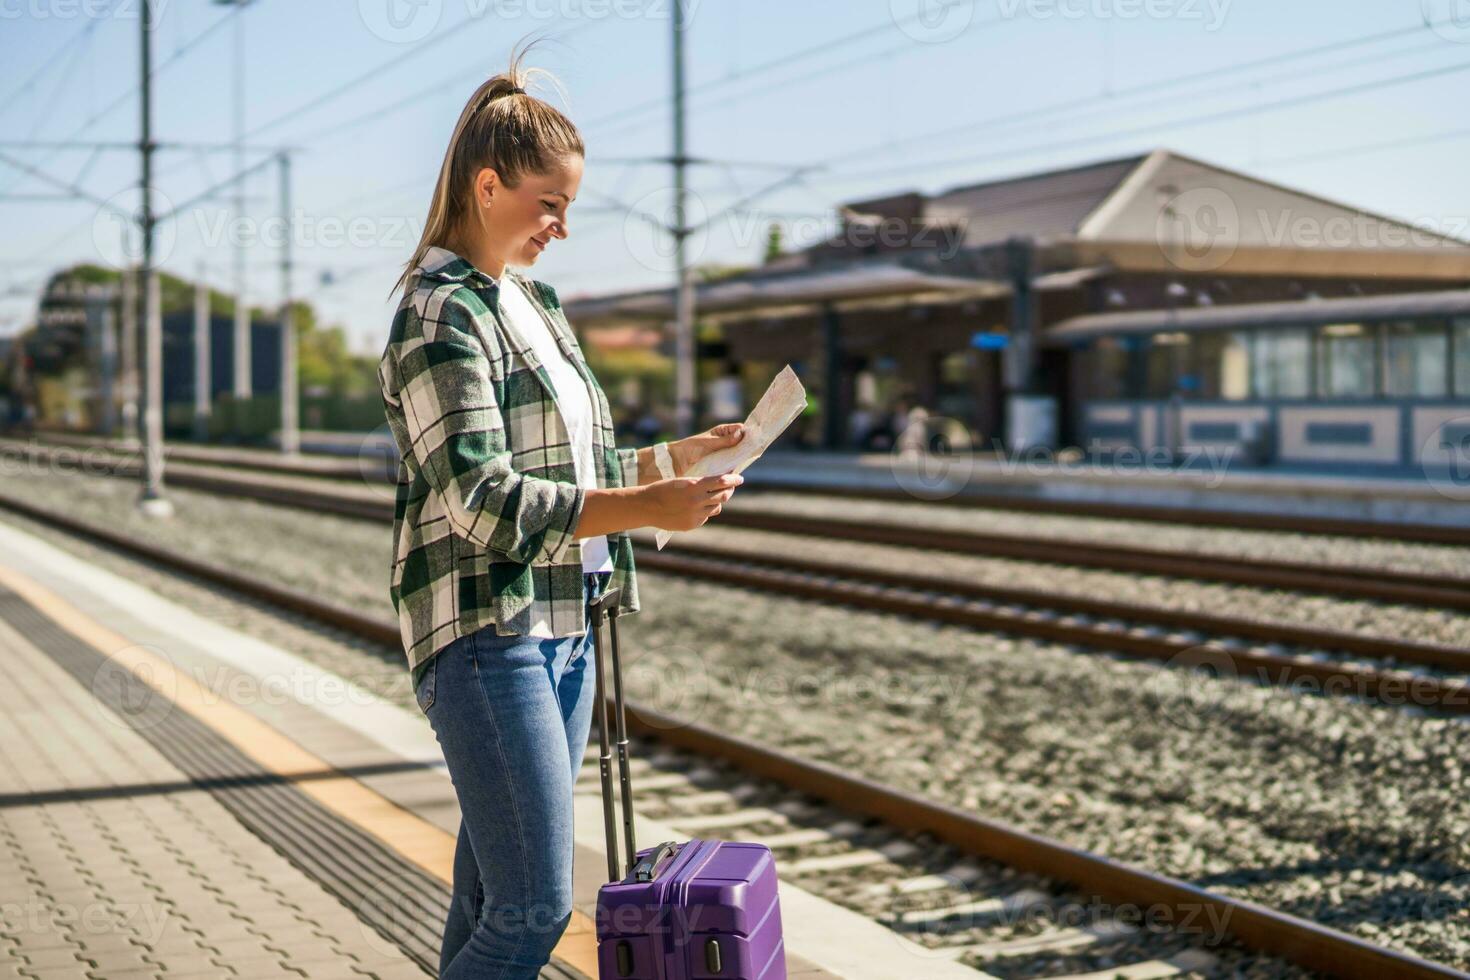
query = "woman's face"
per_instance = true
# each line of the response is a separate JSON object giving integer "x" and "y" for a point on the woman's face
{"x": 522, "y": 221}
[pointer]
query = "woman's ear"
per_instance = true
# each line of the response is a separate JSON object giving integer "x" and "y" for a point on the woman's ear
{"x": 487, "y": 181}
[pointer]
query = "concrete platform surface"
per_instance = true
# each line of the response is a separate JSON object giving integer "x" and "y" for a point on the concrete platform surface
{"x": 120, "y": 816}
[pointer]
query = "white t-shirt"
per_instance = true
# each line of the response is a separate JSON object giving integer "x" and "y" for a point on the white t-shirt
{"x": 572, "y": 397}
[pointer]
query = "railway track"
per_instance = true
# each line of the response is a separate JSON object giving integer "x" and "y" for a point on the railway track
{"x": 1347, "y": 581}
{"x": 1304, "y": 659}
{"x": 376, "y": 466}
{"x": 942, "y": 878}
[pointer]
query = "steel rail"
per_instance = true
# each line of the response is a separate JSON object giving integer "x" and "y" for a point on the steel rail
{"x": 1174, "y": 901}
{"x": 319, "y": 467}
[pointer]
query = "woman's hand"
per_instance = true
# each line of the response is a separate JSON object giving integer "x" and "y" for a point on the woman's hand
{"x": 684, "y": 503}
{"x": 685, "y": 452}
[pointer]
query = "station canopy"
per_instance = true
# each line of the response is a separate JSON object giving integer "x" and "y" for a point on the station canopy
{"x": 806, "y": 292}
{"x": 1240, "y": 316}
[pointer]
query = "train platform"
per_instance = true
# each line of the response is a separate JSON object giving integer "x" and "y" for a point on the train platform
{"x": 1213, "y": 484}
{"x": 178, "y": 798}
{"x": 1417, "y": 498}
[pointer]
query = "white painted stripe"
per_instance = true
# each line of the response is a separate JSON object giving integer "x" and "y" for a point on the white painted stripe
{"x": 735, "y": 818}
{"x": 959, "y": 875}
{"x": 834, "y": 938}
{"x": 896, "y": 851}
{"x": 844, "y": 830}
{"x": 1190, "y": 961}
{"x": 1015, "y": 902}
{"x": 1056, "y": 941}
{"x": 837, "y": 939}
{"x": 354, "y": 707}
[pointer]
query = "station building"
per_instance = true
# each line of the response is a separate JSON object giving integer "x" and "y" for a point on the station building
{"x": 71, "y": 365}
{"x": 1154, "y": 302}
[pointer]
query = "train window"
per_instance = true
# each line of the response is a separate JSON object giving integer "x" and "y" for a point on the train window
{"x": 1167, "y": 364}
{"x": 1415, "y": 353}
{"x": 1345, "y": 361}
{"x": 1222, "y": 363}
{"x": 1105, "y": 369}
{"x": 1279, "y": 364}
{"x": 1462, "y": 356}
{"x": 954, "y": 393}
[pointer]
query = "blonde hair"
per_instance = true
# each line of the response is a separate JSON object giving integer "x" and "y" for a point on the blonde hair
{"x": 512, "y": 132}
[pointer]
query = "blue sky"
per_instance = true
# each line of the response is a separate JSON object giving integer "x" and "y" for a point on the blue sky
{"x": 857, "y": 86}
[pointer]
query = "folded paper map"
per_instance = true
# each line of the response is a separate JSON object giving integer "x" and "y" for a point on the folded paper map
{"x": 778, "y": 407}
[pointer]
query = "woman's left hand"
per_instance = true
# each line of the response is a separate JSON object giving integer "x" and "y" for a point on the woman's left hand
{"x": 687, "y": 451}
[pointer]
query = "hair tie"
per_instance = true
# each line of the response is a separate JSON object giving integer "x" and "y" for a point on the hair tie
{"x": 516, "y": 89}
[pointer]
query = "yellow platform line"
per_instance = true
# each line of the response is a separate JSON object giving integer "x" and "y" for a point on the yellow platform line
{"x": 410, "y": 835}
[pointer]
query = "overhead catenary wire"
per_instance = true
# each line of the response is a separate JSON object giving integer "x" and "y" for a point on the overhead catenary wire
{"x": 914, "y": 165}
{"x": 133, "y": 91}
{"x": 1045, "y": 116}
{"x": 1020, "y": 117}
{"x": 13, "y": 97}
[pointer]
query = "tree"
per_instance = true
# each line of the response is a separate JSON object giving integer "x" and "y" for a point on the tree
{"x": 775, "y": 244}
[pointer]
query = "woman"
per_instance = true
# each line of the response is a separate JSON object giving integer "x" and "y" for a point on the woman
{"x": 513, "y": 506}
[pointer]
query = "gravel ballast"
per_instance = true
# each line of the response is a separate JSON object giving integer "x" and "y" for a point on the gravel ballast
{"x": 1334, "y": 810}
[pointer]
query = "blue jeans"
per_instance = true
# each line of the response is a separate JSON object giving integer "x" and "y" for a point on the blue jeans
{"x": 512, "y": 715}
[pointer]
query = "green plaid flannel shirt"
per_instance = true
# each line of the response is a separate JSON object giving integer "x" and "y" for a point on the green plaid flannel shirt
{"x": 487, "y": 499}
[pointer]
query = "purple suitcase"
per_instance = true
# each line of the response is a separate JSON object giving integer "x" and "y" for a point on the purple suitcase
{"x": 698, "y": 910}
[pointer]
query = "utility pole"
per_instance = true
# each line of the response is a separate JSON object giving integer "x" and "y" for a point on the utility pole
{"x": 152, "y": 500}
{"x": 290, "y": 429}
{"x": 203, "y": 379}
{"x": 101, "y": 326}
{"x": 242, "y": 381}
{"x": 684, "y": 322}
{"x": 129, "y": 303}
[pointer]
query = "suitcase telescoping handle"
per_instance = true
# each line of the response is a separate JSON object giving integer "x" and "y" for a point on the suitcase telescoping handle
{"x": 606, "y": 606}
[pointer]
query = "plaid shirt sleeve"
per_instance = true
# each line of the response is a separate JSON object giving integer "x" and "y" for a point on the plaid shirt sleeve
{"x": 628, "y": 458}
{"x": 445, "y": 383}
